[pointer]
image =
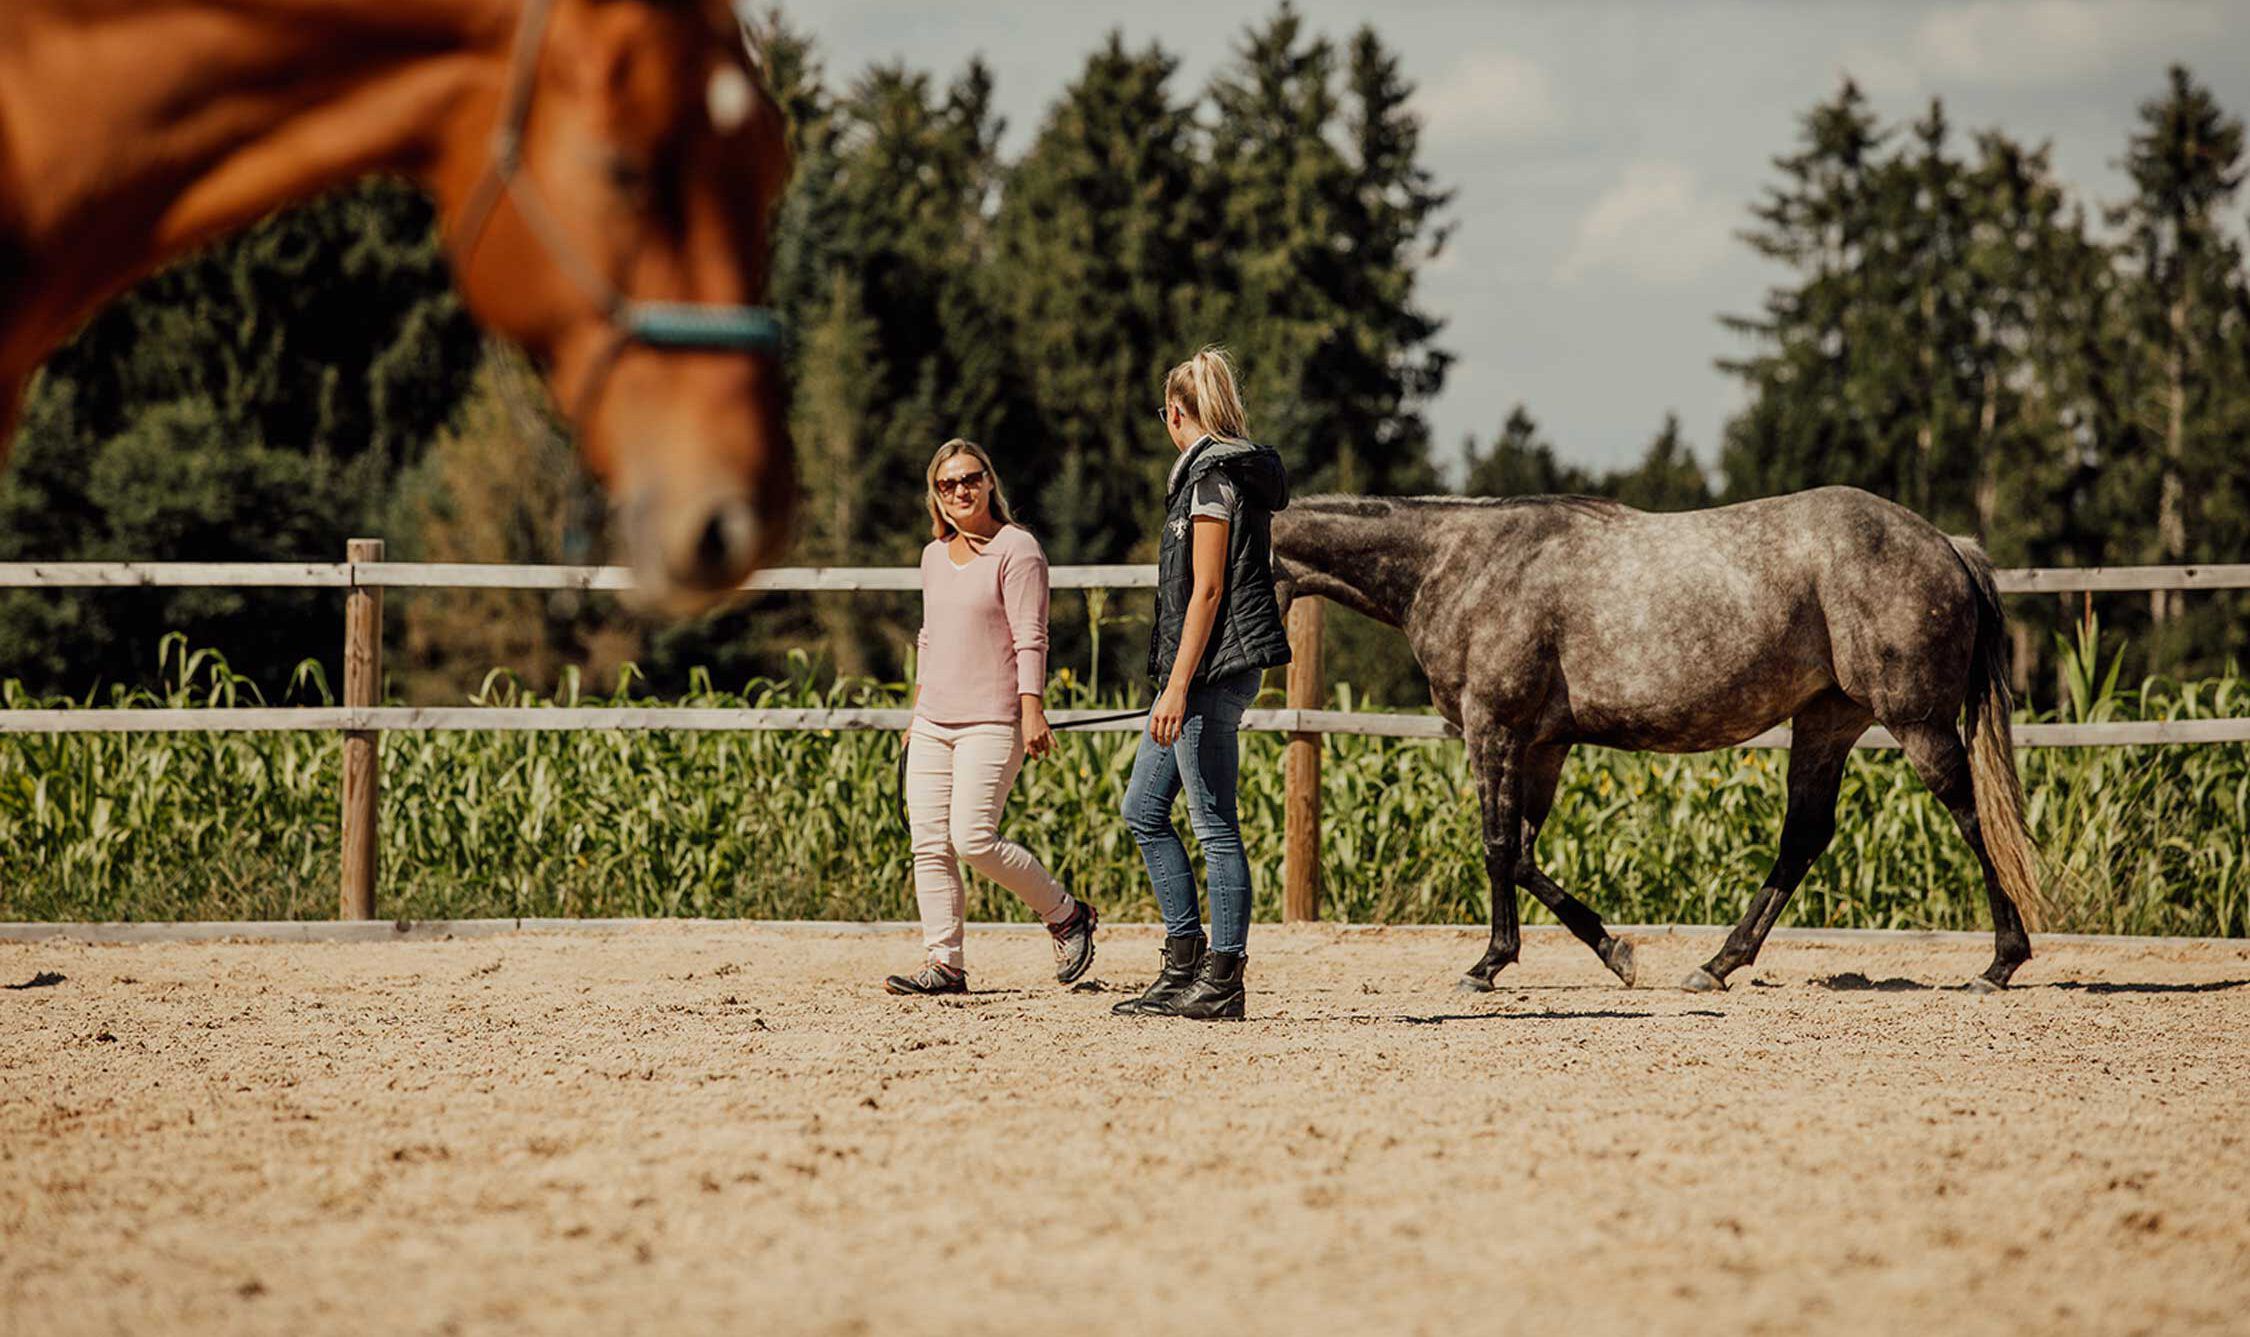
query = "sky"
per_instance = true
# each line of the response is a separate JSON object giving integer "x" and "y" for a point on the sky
{"x": 1605, "y": 152}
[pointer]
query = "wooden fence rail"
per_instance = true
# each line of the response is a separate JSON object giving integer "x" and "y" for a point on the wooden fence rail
{"x": 365, "y": 574}
{"x": 487, "y": 576}
{"x": 691, "y": 719}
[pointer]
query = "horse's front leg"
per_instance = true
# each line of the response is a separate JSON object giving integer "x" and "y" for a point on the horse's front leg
{"x": 1496, "y": 759}
{"x": 1542, "y": 772}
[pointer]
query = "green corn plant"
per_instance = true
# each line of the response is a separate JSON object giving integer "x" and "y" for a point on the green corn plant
{"x": 805, "y": 825}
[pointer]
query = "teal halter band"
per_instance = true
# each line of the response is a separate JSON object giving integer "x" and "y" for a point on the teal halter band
{"x": 746, "y": 329}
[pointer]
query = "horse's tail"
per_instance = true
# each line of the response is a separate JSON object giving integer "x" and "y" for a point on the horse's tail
{"x": 1992, "y": 751}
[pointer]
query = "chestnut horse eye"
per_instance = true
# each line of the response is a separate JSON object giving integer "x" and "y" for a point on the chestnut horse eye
{"x": 629, "y": 175}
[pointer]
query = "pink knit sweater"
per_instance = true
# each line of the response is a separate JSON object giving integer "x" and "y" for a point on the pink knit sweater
{"x": 984, "y": 631}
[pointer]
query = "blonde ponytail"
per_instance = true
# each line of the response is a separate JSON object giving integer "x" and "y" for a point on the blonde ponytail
{"x": 1203, "y": 387}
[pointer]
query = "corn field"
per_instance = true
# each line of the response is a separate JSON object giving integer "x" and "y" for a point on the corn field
{"x": 807, "y": 825}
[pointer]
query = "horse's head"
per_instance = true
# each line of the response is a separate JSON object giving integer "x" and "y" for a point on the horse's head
{"x": 610, "y": 213}
{"x": 1285, "y": 579}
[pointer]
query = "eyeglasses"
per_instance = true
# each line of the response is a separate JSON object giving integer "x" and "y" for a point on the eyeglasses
{"x": 968, "y": 482}
{"x": 1164, "y": 415}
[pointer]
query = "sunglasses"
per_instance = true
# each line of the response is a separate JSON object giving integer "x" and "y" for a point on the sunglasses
{"x": 1164, "y": 415}
{"x": 965, "y": 483}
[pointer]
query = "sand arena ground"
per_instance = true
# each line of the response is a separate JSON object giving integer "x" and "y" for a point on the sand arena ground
{"x": 727, "y": 1128}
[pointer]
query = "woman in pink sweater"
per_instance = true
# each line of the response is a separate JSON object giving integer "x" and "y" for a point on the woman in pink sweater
{"x": 977, "y": 712}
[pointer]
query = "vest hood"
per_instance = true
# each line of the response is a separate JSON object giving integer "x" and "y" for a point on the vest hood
{"x": 1256, "y": 470}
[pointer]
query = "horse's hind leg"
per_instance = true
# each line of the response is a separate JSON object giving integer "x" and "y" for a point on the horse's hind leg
{"x": 1943, "y": 763}
{"x": 1821, "y": 742}
{"x": 1496, "y": 758}
{"x": 1542, "y": 772}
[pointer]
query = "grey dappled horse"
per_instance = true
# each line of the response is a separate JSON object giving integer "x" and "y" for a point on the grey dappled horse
{"x": 1543, "y": 622}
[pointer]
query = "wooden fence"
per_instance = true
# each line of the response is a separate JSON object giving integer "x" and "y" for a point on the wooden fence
{"x": 364, "y": 575}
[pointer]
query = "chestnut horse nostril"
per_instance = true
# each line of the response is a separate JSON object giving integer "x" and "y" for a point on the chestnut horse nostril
{"x": 723, "y": 548}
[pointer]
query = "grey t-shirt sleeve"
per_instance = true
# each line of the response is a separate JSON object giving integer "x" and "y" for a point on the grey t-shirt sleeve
{"x": 1215, "y": 498}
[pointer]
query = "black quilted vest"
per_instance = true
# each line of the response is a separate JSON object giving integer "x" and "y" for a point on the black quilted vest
{"x": 1248, "y": 633}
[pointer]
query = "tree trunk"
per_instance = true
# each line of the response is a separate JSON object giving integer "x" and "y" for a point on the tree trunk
{"x": 2024, "y": 661}
{"x": 1988, "y": 482}
{"x": 1925, "y": 435}
{"x": 2171, "y": 500}
{"x": 838, "y": 624}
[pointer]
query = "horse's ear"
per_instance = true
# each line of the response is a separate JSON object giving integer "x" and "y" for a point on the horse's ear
{"x": 624, "y": 76}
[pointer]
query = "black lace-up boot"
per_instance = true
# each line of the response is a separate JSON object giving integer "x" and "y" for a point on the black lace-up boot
{"x": 1180, "y": 957}
{"x": 1215, "y": 994}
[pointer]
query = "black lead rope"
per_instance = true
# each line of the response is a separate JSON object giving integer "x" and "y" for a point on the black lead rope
{"x": 1104, "y": 719}
{"x": 906, "y": 823}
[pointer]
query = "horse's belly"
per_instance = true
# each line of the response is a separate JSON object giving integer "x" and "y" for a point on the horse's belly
{"x": 1689, "y": 707}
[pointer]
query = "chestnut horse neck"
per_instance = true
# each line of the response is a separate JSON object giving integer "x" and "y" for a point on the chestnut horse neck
{"x": 149, "y": 132}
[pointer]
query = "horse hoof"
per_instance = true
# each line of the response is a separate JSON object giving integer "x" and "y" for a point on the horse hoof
{"x": 1700, "y": 980}
{"x": 1981, "y": 985}
{"x": 1617, "y": 954}
{"x": 1471, "y": 984}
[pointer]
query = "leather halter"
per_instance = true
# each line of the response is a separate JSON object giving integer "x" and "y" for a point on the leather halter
{"x": 702, "y": 326}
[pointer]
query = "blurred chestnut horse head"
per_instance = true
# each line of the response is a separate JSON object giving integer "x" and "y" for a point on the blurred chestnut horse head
{"x": 606, "y": 171}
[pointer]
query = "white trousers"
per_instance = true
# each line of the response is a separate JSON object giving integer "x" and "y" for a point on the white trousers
{"x": 957, "y": 781}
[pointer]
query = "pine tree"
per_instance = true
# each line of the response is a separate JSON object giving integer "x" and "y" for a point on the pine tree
{"x": 1095, "y": 267}
{"x": 1807, "y": 422}
{"x": 1318, "y": 217}
{"x": 1668, "y": 477}
{"x": 1521, "y": 462}
{"x": 2187, "y": 307}
{"x": 1395, "y": 227}
{"x": 835, "y": 408}
{"x": 1919, "y": 356}
{"x": 915, "y": 174}
{"x": 2041, "y": 287}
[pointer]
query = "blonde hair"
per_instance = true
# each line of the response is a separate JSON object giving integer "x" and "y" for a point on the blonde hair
{"x": 940, "y": 527}
{"x": 1203, "y": 387}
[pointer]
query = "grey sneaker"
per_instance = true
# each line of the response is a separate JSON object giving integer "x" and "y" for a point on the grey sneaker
{"x": 1074, "y": 943}
{"x": 930, "y": 979}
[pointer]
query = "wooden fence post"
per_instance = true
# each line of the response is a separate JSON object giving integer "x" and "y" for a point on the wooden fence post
{"x": 1300, "y": 857}
{"x": 363, "y": 685}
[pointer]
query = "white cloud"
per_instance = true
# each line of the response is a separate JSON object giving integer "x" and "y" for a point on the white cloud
{"x": 1654, "y": 225}
{"x": 1489, "y": 97}
{"x": 2045, "y": 43}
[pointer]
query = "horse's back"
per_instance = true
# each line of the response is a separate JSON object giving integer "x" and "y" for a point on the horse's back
{"x": 1695, "y": 629}
{"x": 1823, "y": 541}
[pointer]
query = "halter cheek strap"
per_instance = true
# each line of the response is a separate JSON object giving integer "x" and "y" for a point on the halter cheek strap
{"x": 676, "y": 326}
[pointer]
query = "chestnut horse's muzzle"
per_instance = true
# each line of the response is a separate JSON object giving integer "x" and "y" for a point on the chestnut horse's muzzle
{"x": 689, "y": 550}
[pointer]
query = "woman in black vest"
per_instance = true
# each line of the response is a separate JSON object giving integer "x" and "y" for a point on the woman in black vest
{"x": 1218, "y": 628}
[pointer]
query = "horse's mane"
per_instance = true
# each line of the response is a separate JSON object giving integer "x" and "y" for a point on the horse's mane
{"x": 1377, "y": 508}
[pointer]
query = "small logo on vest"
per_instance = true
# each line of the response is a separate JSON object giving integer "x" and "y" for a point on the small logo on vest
{"x": 1179, "y": 529}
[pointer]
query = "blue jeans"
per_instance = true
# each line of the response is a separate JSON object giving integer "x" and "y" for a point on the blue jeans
{"x": 1204, "y": 762}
